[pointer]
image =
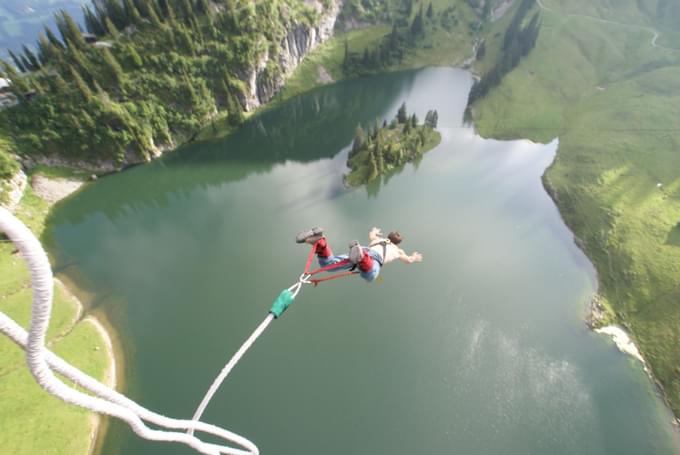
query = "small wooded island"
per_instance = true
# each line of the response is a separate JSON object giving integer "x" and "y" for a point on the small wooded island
{"x": 383, "y": 148}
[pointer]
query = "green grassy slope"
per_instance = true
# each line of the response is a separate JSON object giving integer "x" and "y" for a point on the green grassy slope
{"x": 613, "y": 99}
{"x": 33, "y": 421}
{"x": 442, "y": 45}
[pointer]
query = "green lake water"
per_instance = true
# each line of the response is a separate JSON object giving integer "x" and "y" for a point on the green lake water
{"x": 481, "y": 349}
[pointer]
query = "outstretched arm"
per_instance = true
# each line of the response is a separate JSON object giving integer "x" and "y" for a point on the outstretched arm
{"x": 374, "y": 234}
{"x": 410, "y": 259}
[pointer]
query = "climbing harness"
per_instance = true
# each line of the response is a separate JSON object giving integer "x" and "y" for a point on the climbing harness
{"x": 383, "y": 243}
{"x": 280, "y": 305}
{"x": 104, "y": 400}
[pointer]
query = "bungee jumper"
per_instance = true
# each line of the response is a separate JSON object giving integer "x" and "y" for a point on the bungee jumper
{"x": 97, "y": 397}
{"x": 369, "y": 260}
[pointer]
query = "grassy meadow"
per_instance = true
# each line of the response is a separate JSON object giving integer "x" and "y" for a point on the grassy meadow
{"x": 613, "y": 99}
{"x": 32, "y": 420}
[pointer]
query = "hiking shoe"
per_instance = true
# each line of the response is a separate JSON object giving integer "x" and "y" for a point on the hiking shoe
{"x": 309, "y": 236}
{"x": 355, "y": 252}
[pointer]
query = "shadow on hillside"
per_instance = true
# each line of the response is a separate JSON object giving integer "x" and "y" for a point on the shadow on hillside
{"x": 674, "y": 236}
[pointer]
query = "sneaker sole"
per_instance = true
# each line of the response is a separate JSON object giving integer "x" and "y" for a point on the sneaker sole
{"x": 355, "y": 252}
{"x": 304, "y": 235}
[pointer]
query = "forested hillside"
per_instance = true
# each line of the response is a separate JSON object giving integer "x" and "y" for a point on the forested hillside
{"x": 150, "y": 71}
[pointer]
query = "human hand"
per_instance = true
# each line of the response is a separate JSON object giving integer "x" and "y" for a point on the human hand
{"x": 375, "y": 232}
{"x": 416, "y": 257}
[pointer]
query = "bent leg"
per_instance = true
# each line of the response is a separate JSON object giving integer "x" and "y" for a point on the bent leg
{"x": 326, "y": 257}
{"x": 369, "y": 266}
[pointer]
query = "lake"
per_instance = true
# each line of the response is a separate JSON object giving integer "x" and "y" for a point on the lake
{"x": 480, "y": 349}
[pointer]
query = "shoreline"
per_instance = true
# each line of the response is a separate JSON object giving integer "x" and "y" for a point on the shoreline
{"x": 113, "y": 369}
{"x": 618, "y": 334}
{"x": 115, "y": 377}
{"x": 624, "y": 343}
{"x": 600, "y": 318}
{"x": 53, "y": 189}
{"x": 99, "y": 422}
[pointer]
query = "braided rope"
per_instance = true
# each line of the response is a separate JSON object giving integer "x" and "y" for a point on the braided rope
{"x": 107, "y": 401}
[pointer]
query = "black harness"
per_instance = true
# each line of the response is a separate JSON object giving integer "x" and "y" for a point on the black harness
{"x": 384, "y": 243}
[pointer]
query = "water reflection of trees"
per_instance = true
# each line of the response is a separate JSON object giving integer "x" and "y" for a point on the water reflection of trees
{"x": 307, "y": 128}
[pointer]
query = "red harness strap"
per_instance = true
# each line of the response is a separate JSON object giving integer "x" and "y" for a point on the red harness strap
{"x": 316, "y": 281}
{"x": 337, "y": 265}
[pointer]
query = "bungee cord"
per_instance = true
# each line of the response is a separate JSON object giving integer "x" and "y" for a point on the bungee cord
{"x": 105, "y": 400}
{"x": 228, "y": 367}
{"x": 282, "y": 302}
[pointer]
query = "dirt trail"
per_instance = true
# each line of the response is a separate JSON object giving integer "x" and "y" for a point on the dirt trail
{"x": 654, "y": 32}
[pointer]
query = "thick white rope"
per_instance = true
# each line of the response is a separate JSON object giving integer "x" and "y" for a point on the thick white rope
{"x": 17, "y": 334}
{"x": 228, "y": 367}
{"x": 112, "y": 403}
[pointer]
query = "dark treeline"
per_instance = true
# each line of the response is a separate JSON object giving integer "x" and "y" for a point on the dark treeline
{"x": 380, "y": 149}
{"x": 148, "y": 71}
{"x": 517, "y": 43}
{"x": 406, "y": 33}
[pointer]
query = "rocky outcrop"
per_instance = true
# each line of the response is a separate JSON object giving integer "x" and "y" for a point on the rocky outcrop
{"x": 11, "y": 191}
{"x": 264, "y": 79}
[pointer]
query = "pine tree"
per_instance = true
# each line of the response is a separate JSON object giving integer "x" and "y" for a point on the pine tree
{"x": 17, "y": 61}
{"x": 153, "y": 15}
{"x": 402, "y": 116}
{"x": 409, "y": 8}
{"x": 393, "y": 42}
{"x": 45, "y": 50}
{"x": 81, "y": 61}
{"x": 187, "y": 11}
{"x": 81, "y": 84}
{"x": 116, "y": 13}
{"x": 59, "y": 84}
{"x": 414, "y": 120}
{"x": 30, "y": 56}
{"x": 359, "y": 140}
{"x": 430, "y": 11}
{"x": 132, "y": 13}
{"x": 92, "y": 22}
{"x": 203, "y": 7}
{"x": 102, "y": 94}
{"x": 185, "y": 39}
{"x": 69, "y": 30}
{"x": 113, "y": 67}
{"x": 372, "y": 166}
{"x": 379, "y": 160}
{"x": 417, "y": 27}
{"x": 172, "y": 17}
{"x": 25, "y": 63}
{"x": 134, "y": 55}
{"x": 52, "y": 38}
{"x": 37, "y": 85}
{"x": 428, "y": 118}
{"x": 111, "y": 28}
{"x": 235, "y": 113}
{"x": 156, "y": 6}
